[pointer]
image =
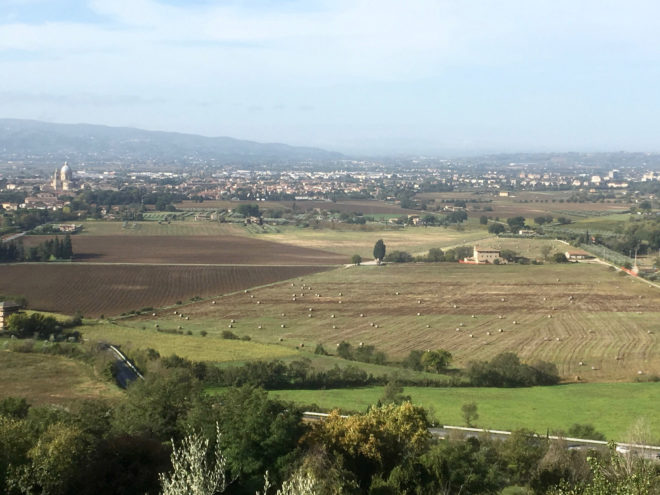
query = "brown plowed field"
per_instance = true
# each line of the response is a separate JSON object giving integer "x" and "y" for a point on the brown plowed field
{"x": 110, "y": 290}
{"x": 192, "y": 250}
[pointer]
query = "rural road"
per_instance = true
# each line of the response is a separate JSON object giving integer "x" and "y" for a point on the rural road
{"x": 125, "y": 371}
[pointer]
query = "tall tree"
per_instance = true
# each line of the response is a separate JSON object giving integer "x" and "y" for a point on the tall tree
{"x": 379, "y": 250}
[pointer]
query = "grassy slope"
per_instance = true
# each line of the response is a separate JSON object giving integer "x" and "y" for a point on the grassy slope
{"x": 611, "y": 408}
{"x": 194, "y": 347}
{"x": 45, "y": 379}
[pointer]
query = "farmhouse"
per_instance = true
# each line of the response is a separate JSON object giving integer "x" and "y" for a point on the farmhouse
{"x": 485, "y": 255}
{"x": 578, "y": 254}
{"x": 7, "y": 308}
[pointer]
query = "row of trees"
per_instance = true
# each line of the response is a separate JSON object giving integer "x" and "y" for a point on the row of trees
{"x": 49, "y": 250}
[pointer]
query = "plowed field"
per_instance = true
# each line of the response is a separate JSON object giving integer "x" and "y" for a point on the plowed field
{"x": 192, "y": 250}
{"x": 113, "y": 289}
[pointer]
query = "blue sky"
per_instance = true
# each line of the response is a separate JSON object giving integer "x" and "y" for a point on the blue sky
{"x": 364, "y": 76}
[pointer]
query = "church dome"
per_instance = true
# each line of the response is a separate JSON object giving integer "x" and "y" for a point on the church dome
{"x": 65, "y": 172}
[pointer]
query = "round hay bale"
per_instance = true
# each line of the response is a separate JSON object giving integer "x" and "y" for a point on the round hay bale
{"x": 376, "y": 326}
{"x": 153, "y": 314}
{"x": 259, "y": 327}
{"x": 361, "y": 315}
{"x": 212, "y": 302}
{"x": 340, "y": 294}
{"x": 471, "y": 336}
{"x": 283, "y": 325}
{"x": 581, "y": 363}
{"x": 487, "y": 333}
{"x": 232, "y": 321}
{"x": 309, "y": 316}
{"x": 302, "y": 344}
{"x": 332, "y": 316}
{"x": 428, "y": 326}
{"x": 419, "y": 301}
{"x": 500, "y": 330}
{"x": 334, "y": 326}
{"x": 187, "y": 317}
{"x": 230, "y": 326}
{"x": 419, "y": 314}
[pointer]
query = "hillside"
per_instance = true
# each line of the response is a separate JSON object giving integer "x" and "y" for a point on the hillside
{"x": 35, "y": 141}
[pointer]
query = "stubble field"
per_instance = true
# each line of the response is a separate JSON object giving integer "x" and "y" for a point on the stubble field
{"x": 592, "y": 323}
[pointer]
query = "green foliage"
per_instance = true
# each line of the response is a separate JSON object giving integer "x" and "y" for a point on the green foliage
{"x": 393, "y": 393}
{"x": 469, "y": 467}
{"x": 516, "y": 223}
{"x": 585, "y": 431}
{"x": 14, "y": 407}
{"x": 379, "y": 250}
{"x": 506, "y": 370}
{"x": 399, "y": 257}
{"x": 157, "y": 405}
{"x": 248, "y": 210}
{"x": 496, "y": 228}
{"x": 483, "y": 220}
{"x": 435, "y": 361}
{"x": 356, "y": 259}
{"x": 435, "y": 254}
{"x": 559, "y": 258}
{"x": 470, "y": 414}
{"x": 258, "y": 434}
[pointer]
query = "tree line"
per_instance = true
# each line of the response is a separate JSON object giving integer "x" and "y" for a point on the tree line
{"x": 49, "y": 250}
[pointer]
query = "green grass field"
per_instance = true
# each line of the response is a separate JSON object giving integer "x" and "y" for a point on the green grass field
{"x": 611, "y": 407}
{"x": 195, "y": 347}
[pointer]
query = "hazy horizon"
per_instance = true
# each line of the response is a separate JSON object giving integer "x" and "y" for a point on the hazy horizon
{"x": 360, "y": 77}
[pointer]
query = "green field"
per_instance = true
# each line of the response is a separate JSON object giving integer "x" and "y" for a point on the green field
{"x": 195, "y": 347}
{"x": 48, "y": 379}
{"x": 611, "y": 407}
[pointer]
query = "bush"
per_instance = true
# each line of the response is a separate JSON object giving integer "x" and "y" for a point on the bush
{"x": 229, "y": 335}
{"x": 506, "y": 370}
{"x": 399, "y": 257}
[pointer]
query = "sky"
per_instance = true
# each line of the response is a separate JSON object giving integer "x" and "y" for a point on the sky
{"x": 373, "y": 77}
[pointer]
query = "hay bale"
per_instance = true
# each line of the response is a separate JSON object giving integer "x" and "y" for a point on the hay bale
{"x": 230, "y": 326}
{"x": 259, "y": 327}
{"x": 361, "y": 315}
{"x": 332, "y": 316}
{"x": 283, "y": 325}
{"x": 428, "y": 326}
{"x": 334, "y": 326}
{"x": 153, "y": 314}
{"x": 419, "y": 314}
{"x": 471, "y": 336}
{"x": 376, "y": 326}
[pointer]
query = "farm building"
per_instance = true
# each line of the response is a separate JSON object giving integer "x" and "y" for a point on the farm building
{"x": 578, "y": 254}
{"x": 7, "y": 308}
{"x": 485, "y": 255}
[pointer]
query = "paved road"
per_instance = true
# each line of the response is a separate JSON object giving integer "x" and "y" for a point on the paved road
{"x": 126, "y": 373}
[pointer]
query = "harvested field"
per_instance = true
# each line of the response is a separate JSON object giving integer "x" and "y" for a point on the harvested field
{"x": 234, "y": 250}
{"x": 47, "y": 379}
{"x": 184, "y": 228}
{"x": 603, "y": 327}
{"x": 348, "y": 242}
{"x": 113, "y": 289}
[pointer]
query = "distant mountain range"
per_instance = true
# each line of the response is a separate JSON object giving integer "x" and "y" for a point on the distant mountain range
{"x": 35, "y": 141}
